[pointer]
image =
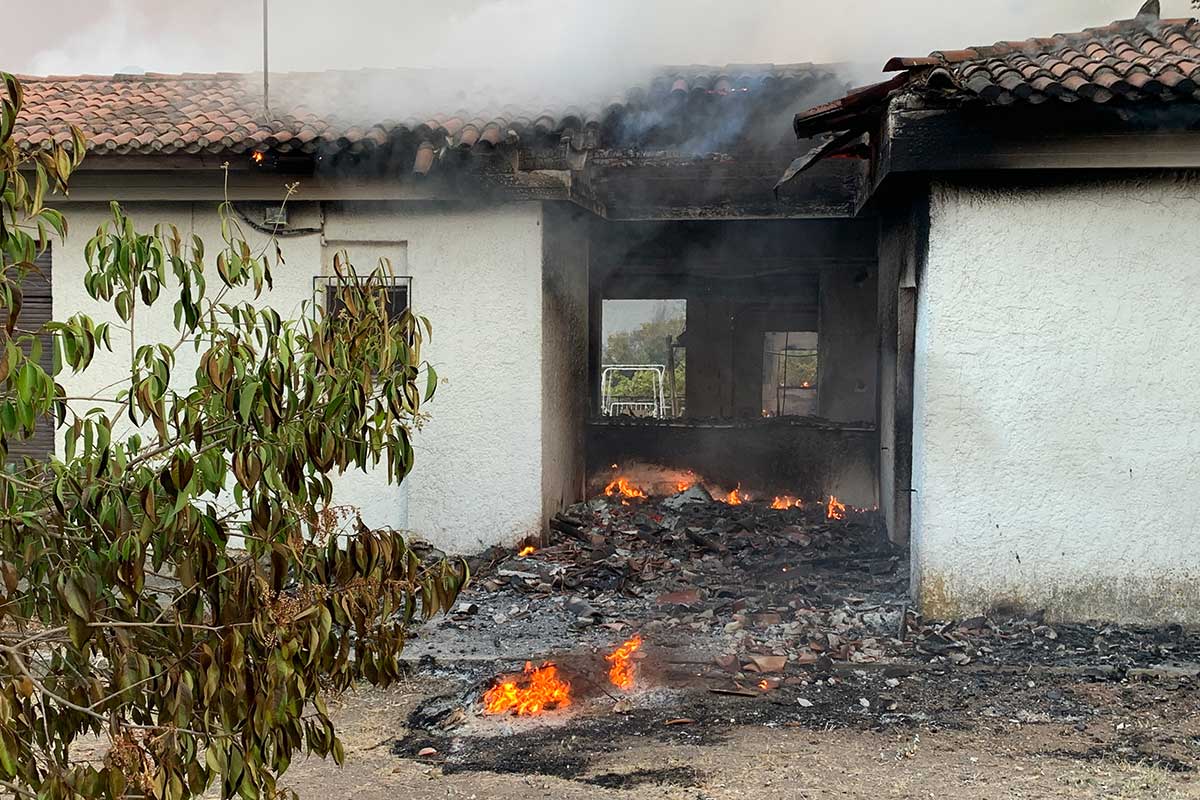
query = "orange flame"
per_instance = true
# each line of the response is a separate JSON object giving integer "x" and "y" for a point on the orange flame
{"x": 528, "y": 550}
{"x": 787, "y": 501}
{"x": 528, "y": 694}
{"x": 620, "y": 674}
{"x": 736, "y": 498}
{"x": 685, "y": 482}
{"x": 624, "y": 489}
{"x": 835, "y": 509}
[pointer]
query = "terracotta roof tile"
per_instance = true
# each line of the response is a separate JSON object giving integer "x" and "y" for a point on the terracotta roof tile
{"x": 1138, "y": 60}
{"x": 223, "y": 113}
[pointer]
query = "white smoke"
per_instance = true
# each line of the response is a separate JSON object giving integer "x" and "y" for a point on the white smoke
{"x": 555, "y": 41}
{"x": 489, "y": 54}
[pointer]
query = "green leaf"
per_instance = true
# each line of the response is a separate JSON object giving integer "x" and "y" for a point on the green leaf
{"x": 246, "y": 400}
{"x": 75, "y": 599}
{"x": 431, "y": 382}
{"x": 8, "y": 763}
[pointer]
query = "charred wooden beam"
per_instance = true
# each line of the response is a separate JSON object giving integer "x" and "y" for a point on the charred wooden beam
{"x": 1041, "y": 138}
{"x": 730, "y": 190}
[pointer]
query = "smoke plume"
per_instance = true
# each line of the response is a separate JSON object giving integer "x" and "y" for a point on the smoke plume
{"x": 501, "y": 51}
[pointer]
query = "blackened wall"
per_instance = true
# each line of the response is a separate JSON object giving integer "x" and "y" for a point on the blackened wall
{"x": 564, "y": 386}
{"x": 741, "y": 280}
{"x": 848, "y": 358}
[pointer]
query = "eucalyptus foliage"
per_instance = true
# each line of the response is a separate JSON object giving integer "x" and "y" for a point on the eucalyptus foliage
{"x": 173, "y": 584}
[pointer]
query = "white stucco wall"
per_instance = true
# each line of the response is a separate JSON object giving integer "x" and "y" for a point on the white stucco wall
{"x": 1056, "y": 453}
{"x": 477, "y": 274}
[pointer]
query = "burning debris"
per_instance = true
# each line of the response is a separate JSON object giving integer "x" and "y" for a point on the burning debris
{"x": 716, "y": 605}
{"x": 621, "y": 673}
{"x": 789, "y": 598}
{"x": 835, "y": 509}
{"x": 624, "y": 490}
{"x": 645, "y": 483}
{"x": 531, "y": 693}
{"x": 752, "y": 590}
{"x": 540, "y": 689}
{"x": 736, "y": 498}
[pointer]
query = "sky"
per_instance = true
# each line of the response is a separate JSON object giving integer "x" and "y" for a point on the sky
{"x": 549, "y": 40}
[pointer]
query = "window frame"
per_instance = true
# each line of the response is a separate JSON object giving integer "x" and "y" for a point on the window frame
{"x": 781, "y": 358}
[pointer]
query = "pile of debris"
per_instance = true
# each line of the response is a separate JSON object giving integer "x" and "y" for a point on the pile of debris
{"x": 745, "y": 587}
{"x": 747, "y": 592}
{"x": 677, "y": 618}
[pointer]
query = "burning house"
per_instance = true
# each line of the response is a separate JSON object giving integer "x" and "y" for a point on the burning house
{"x": 513, "y": 230}
{"x": 956, "y": 308}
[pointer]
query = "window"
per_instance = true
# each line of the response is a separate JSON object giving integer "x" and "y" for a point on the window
{"x": 643, "y": 369}
{"x": 399, "y": 291}
{"x": 789, "y": 373}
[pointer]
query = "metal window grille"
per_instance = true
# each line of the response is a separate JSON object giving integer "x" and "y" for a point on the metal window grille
{"x": 399, "y": 290}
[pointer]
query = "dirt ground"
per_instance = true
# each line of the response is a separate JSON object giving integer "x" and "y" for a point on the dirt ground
{"x": 1145, "y": 744}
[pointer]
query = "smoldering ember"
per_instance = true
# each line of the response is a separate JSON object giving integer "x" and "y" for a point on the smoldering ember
{"x": 792, "y": 438}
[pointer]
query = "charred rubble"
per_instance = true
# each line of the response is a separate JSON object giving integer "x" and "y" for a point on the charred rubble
{"x": 753, "y": 615}
{"x": 749, "y": 590}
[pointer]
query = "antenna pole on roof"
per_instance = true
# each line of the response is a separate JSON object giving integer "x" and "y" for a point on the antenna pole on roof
{"x": 266, "y": 61}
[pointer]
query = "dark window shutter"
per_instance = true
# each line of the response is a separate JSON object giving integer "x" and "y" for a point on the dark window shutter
{"x": 36, "y": 311}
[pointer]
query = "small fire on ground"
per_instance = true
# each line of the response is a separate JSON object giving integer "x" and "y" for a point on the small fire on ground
{"x": 534, "y": 691}
{"x": 541, "y": 689}
{"x": 621, "y": 673}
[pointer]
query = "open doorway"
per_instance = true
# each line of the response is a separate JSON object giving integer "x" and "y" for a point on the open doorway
{"x": 643, "y": 371}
